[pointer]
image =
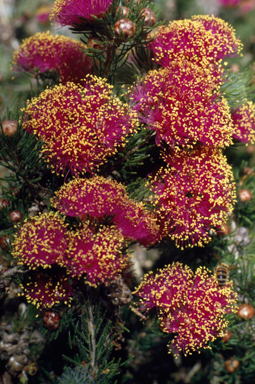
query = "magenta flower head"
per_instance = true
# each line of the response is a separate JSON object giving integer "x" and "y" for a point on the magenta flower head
{"x": 96, "y": 255}
{"x": 203, "y": 40}
{"x": 190, "y": 305}
{"x": 99, "y": 198}
{"x": 44, "y": 53}
{"x": 230, "y": 3}
{"x": 164, "y": 289}
{"x": 181, "y": 103}
{"x": 244, "y": 123}
{"x": 40, "y": 242}
{"x": 73, "y": 12}
{"x": 42, "y": 14}
{"x": 193, "y": 195}
{"x": 47, "y": 291}
{"x": 80, "y": 125}
{"x": 223, "y": 34}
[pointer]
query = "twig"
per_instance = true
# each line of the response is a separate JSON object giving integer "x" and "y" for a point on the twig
{"x": 91, "y": 328}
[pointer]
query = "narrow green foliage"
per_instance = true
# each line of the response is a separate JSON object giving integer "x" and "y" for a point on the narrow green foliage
{"x": 245, "y": 276}
{"x": 239, "y": 87}
{"x": 21, "y": 153}
{"x": 139, "y": 63}
{"x": 116, "y": 47}
{"x": 245, "y": 210}
{"x": 140, "y": 154}
{"x": 23, "y": 319}
{"x": 95, "y": 343}
{"x": 77, "y": 375}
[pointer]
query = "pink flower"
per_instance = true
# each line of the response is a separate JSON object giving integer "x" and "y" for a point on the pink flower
{"x": 230, "y": 3}
{"x": 81, "y": 125}
{"x": 44, "y": 52}
{"x": 136, "y": 222}
{"x": 181, "y": 103}
{"x": 164, "y": 289}
{"x": 203, "y": 40}
{"x": 41, "y": 241}
{"x": 47, "y": 291}
{"x": 244, "y": 123}
{"x": 72, "y": 12}
{"x": 193, "y": 195}
{"x": 96, "y": 254}
{"x": 42, "y": 14}
{"x": 223, "y": 36}
{"x": 191, "y": 305}
{"x": 246, "y": 6}
{"x": 102, "y": 198}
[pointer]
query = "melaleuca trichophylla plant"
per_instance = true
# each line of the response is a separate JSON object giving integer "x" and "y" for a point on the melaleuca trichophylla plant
{"x": 167, "y": 131}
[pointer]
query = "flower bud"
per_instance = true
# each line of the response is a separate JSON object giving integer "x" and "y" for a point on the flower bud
{"x": 231, "y": 365}
{"x": 9, "y": 127}
{"x": 15, "y": 216}
{"x": 227, "y": 336}
{"x": 51, "y": 320}
{"x": 125, "y": 28}
{"x": 244, "y": 195}
{"x": 4, "y": 242}
{"x": 149, "y": 17}
{"x": 225, "y": 230}
{"x": 246, "y": 311}
{"x": 123, "y": 11}
{"x": 93, "y": 43}
{"x": 3, "y": 203}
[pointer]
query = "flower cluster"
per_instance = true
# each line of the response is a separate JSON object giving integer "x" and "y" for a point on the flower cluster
{"x": 44, "y": 53}
{"x": 80, "y": 124}
{"x": 191, "y": 305}
{"x": 182, "y": 102}
{"x": 194, "y": 194}
{"x": 164, "y": 289}
{"x": 182, "y": 105}
{"x": 97, "y": 255}
{"x": 46, "y": 291}
{"x": 102, "y": 198}
{"x": 72, "y": 12}
{"x": 92, "y": 253}
{"x": 244, "y": 123}
{"x": 41, "y": 241}
{"x": 203, "y": 40}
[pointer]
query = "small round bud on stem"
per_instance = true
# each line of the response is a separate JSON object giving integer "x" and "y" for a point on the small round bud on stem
{"x": 225, "y": 230}
{"x": 125, "y": 28}
{"x": 9, "y": 127}
{"x": 250, "y": 149}
{"x": 123, "y": 11}
{"x": 15, "y": 216}
{"x": 3, "y": 203}
{"x": 4, "y": 242}
{"x": 226, "y": 336}
{"x": 94, "y": 43}
{"x": 246, "y": 311}
{"x": 231, "y": 365}
{"x": 51, "y": 320}
{"x": 149, "y": 17}
{"x": 244, "y": 195}
{"x": 235, "y": 68}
